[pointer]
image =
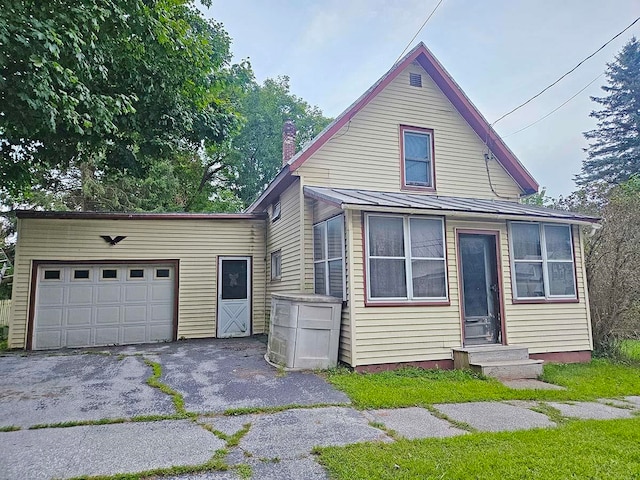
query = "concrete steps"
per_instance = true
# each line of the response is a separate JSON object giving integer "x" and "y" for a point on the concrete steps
{"x": 500, "y": 361}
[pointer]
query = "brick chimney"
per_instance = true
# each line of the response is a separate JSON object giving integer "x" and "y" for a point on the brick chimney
{"x": 288, "y": 141}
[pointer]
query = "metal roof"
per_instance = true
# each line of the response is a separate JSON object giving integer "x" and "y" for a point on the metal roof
{"x": 367, "y": 199}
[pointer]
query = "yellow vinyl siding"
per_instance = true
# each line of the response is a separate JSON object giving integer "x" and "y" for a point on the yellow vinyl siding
{"x": 417, "y": 333}
{"x": 365, "y": 153}
{"x": 195, "y": 243}
{"x": 284, "y": 235}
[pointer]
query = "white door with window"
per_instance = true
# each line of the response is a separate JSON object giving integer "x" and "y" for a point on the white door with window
{"x": 234, "y": 297}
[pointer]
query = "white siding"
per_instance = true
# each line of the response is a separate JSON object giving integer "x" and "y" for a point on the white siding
{"x": 196, "y": 243}
{"x": 365, "y": 153}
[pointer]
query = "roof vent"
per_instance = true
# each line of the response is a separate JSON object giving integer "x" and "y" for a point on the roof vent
{"x": 415, "y": 80}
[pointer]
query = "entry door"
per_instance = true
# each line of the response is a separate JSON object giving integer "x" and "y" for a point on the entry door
{"x": 480, "y": 289}
{"x": 234, "y": 296}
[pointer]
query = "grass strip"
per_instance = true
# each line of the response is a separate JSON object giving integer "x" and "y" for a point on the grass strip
{"x": 10, "y": 428}
{"x": 154, "y": 381}
{"x": 231, "y": 412}
{"x": 589, "y": 449}
{"x": 417, "y": 387}
{"x": 231, "y": 440}
{"x": 215, "y": 463}
{"x": 111, "y": 421}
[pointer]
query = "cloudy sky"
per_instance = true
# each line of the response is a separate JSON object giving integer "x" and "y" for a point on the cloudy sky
{"x": 501, "y": 52}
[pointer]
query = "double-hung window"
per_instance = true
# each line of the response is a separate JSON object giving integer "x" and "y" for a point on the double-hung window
{"x": 328, "y": 257}
{"x": 405, "y": 258}
{"x": 417, "y": 157}
{"x": 543, "y": 264}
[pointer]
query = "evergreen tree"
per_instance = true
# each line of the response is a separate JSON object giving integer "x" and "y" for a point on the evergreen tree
{"x": 613, "y": 155}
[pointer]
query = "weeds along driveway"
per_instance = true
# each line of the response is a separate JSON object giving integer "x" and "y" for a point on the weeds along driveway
{"x": 210, "y": 375}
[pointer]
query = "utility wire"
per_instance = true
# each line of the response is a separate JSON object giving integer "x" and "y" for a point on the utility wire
{"x": 555, "y": 109}
{"x": 563, "y": 76}
{"x": 419, "y": 30}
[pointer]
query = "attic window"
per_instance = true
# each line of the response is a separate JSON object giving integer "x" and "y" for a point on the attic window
{"x": 275, "y": 211}
{"x": 415, "y": 80}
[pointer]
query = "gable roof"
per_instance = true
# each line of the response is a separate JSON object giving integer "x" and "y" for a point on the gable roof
{"x": 423, "y": 56}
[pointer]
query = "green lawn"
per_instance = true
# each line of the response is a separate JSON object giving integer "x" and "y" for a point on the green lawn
{"x": 407, "y": 387}
{"x": 602, "y": 450}
{"x": 630, "y": 349}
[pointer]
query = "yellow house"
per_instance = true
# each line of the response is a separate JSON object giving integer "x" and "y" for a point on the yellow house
{"x": 407, "y": 207}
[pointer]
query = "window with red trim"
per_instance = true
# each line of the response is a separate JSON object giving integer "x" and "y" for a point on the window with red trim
{"x": 417, "y": 157}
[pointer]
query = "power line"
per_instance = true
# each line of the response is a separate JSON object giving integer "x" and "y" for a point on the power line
{"x": 555, "y": 109}
{"x": 569, "y": 72}
{"x": 419, "y": 30}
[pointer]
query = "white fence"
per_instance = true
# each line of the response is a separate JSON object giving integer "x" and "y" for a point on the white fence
{"x": 5, "y": 307}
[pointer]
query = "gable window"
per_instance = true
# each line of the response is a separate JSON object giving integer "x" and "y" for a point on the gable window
{"x": 405, "y": 258}
{"x": 276, "y": 210}
{"x": 543, "y": 264}
{"x": 417, "y": 157}
{"x": 328, "y": 257}
{"x": 276, "y": 265}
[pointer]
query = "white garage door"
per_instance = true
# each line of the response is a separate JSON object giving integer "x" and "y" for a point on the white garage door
{"x": 96, "y": 305}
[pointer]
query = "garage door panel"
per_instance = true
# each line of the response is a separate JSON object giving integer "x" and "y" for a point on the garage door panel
{"x": 162, "y": 291}
{"x": 109, "y": 294}
{"x": 160, "y": 332}
{"x": 160, "y": 313}
{"x": 50, "y": 295}
{"x": 108, "y": 315}
{"x": 80, "y": 337}
{"x": 134, "y": 334}
{"x": 135, "y": 314}
{"x": 107, "y": 336}
{"x": 80, "y": 295}
{"x": 136, "y": 293}
{"x": 103, "y": 305}
{"x": 51, "y": 317}
{"x": 48, "y": 339}
{"x": 79, "y": 316}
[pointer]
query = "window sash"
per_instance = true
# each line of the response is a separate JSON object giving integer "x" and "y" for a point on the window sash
{"x": 545, "y": 263}
{"x": 408, "y": 262}
{"x": 276, "y": 265}
{"x": 324, "y": 282}
{"x": 408, "y": 158}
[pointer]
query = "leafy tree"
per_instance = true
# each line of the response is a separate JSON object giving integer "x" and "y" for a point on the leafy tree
{"x": 613, "y": 267}
{"x": 257, "y": 150}
{"x": 613, "y": 155}
{"x": 99, "y": 98}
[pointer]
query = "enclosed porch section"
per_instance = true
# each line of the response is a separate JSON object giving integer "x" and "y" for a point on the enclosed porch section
{"x": 428, "y": 274}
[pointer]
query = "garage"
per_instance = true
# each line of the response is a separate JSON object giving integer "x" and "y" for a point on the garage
{"x": 84, "y": 305}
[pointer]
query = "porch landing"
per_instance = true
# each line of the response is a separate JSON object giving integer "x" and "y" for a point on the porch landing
{"x": 501, "y": 361}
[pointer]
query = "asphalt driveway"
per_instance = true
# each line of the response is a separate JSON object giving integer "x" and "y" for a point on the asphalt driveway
{"x": 212, "y": 376}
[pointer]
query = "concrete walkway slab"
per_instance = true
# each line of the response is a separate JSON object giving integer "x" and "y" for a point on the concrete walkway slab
{"x": 413, "y": 422}
{"x": 633, "y": 400}
{"x": 292, "y": 434}
{"x": 530, "y": 384}
{"x": 229, "y": 374}
{"x": 104, "y": 449}
{"x": 304, "y": 468}
{"x": 591, "y": 410}
{"x": 494, "y": 416}
{"x": 60, "y": 388}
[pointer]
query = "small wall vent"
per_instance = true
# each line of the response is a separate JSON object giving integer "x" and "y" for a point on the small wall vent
{"x": 415, "y": 80}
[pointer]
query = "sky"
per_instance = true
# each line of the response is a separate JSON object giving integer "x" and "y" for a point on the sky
{"x": 501, "y": 52}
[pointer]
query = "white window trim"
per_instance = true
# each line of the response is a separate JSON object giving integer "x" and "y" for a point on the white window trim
{"x": 326, "y": 261}
{"x": 417, "y": 131}
{"x": 276, "y": 210}
{"x": 410, "y": 298}
{"x": 544, "y": 261}
{"x": 274, "y": 254}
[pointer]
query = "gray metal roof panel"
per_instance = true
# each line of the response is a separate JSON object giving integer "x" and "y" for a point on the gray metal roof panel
{"x": 368, "y": 198}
